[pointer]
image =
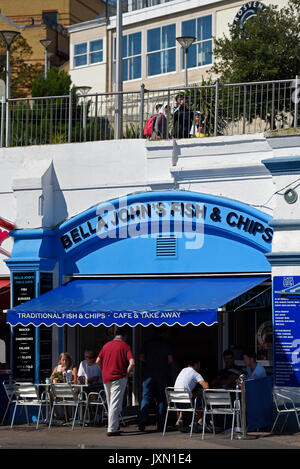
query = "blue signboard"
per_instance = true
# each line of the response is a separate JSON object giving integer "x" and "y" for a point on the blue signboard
{"x": 286, "y": 309}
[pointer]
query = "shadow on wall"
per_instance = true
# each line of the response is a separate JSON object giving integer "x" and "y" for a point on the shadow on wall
{"x": 59, "y": 202}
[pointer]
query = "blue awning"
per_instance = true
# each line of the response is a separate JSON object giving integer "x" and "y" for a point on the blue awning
{"x": 133, "y": 301}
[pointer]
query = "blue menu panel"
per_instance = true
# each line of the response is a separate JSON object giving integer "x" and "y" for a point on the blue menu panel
{"x": 286, "y": 320}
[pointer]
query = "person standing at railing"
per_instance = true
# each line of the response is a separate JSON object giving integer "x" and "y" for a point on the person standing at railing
{"x": 160, "y": 125}
{"x": 199, "y": 128}
{"x": 182, "y": 118}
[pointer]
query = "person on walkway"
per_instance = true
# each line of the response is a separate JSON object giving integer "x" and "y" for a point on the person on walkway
{"x": 254, "y": 369}
{"x": 199, "y": 128}
{"x": 182, "y": 118}
{"x": 116, "y": 362}
{"x": 188, "y": 379}
{"x": 160, "y": 125}
{"x": 156, "y": 356}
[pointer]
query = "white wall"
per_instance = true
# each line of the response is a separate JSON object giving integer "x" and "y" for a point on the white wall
{"x": 73, "y": 177}
{"x": 41, "y": 186}
{"x": 226, "y": 15}
{"x": 91, "y": 75}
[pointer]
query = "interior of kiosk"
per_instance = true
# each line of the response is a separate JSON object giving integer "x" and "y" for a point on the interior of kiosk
{"x": 245, "y": 323}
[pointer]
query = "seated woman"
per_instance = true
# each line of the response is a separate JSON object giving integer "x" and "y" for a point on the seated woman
{"x": 65, "y": 365}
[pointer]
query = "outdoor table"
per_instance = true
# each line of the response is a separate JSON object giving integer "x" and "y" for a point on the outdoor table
{"x": 236, "y": 399}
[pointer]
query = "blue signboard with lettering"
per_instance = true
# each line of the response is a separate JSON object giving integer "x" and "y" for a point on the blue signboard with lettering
{"x": 286, "y": 309}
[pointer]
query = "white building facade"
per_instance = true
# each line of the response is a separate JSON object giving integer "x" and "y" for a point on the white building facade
{"x": 151, "y": 54}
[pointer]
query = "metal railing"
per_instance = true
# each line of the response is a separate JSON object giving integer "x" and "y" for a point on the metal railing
{"x": 226, "y": 109}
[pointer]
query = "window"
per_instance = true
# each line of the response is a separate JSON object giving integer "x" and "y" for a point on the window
{"x": 132, "y": 56}
{"x": 88, "y": 53}
{"x": 199, "y": 52}
{"x": 96, "y": 51}
{"x": 80, "y": 54}
{"x": 139, "y": 4}
{"x": 49, "y": 17}
{"x": 161, "y": 50}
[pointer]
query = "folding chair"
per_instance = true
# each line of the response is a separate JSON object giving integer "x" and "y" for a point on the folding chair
{"x": 218, "y": 402}
{"x": 96, "y": 399}
{"x": 9, "y": 391}
{"x": 175, "y": 399}
{"x": 285, "y": 405}
{"x": 26, "y": 395}
{"x": 65, "y": 396}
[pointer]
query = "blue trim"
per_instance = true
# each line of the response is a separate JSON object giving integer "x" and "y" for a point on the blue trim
{"x": 26, "y": 264}
{"x": 144, "y": 197}
{"x": 234, "y": 242}
{"x": 285, "y": 223}
{"x": 283, "y": 258}
{"x": 283, "y": 165}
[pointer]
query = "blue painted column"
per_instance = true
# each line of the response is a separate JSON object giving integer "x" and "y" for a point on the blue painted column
{"x": 285, "y": 261}
{"x": 27, "y": 282}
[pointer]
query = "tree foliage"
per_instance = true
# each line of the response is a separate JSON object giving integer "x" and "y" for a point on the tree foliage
{"x": 22, "y": 72}
{"x": 267, "y": 47}
{"x": 57, "y": 83}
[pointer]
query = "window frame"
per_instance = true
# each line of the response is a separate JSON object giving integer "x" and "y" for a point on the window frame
{"x": 196, "y": 43}
{"x": 161, "y": 50}
{"x": 128, "y": 57}
{"x": 88, "y": 53}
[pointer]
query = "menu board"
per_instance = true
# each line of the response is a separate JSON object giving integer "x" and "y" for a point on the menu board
{"x": 286, "y": 310}
{"x": 23, "y": 287}
{"x": 46, "y": 284}
{"x": 24, "y": 336}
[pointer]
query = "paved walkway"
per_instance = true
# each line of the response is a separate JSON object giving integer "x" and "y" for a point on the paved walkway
{"x": 62, "y": 437}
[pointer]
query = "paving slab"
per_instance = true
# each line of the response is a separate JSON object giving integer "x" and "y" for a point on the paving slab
{"x": 62, "y": 437}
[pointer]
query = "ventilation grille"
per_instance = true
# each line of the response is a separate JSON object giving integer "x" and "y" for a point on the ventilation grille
{"x": 166, "y": 246}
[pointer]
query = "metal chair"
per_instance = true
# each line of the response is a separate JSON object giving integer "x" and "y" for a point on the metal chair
{"x": 218, "y": 402}
{"x": 9, "y": 391}
{"x": 26, "y": 395}
{"x": 175, "y": 399}
{"x": 96, "y": 399}
{"x": 65, "y": 396}
{"x": 285, "y": 405}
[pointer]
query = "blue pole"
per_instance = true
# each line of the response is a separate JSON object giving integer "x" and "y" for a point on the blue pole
{"x": 12, "y": 351}
{"x": 60, "y": 339}
{"x": 37, "y": 336}
{"x": 37, "y": 354}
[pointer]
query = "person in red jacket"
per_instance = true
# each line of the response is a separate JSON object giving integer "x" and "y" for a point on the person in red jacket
{"x": 115, "y": 361}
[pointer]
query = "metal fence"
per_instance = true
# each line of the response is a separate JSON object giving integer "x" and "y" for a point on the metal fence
{"x": 225, "y": 109}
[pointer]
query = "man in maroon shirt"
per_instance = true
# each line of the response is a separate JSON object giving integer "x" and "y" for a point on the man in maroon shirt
{"x": 115, "y": 361}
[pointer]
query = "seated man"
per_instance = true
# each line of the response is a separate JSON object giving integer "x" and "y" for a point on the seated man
{"x": 227, "y": 377}
{"x": 89, "y": 372}
{"x": 188, "y": 379}
{"x": 254, "y": 369}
